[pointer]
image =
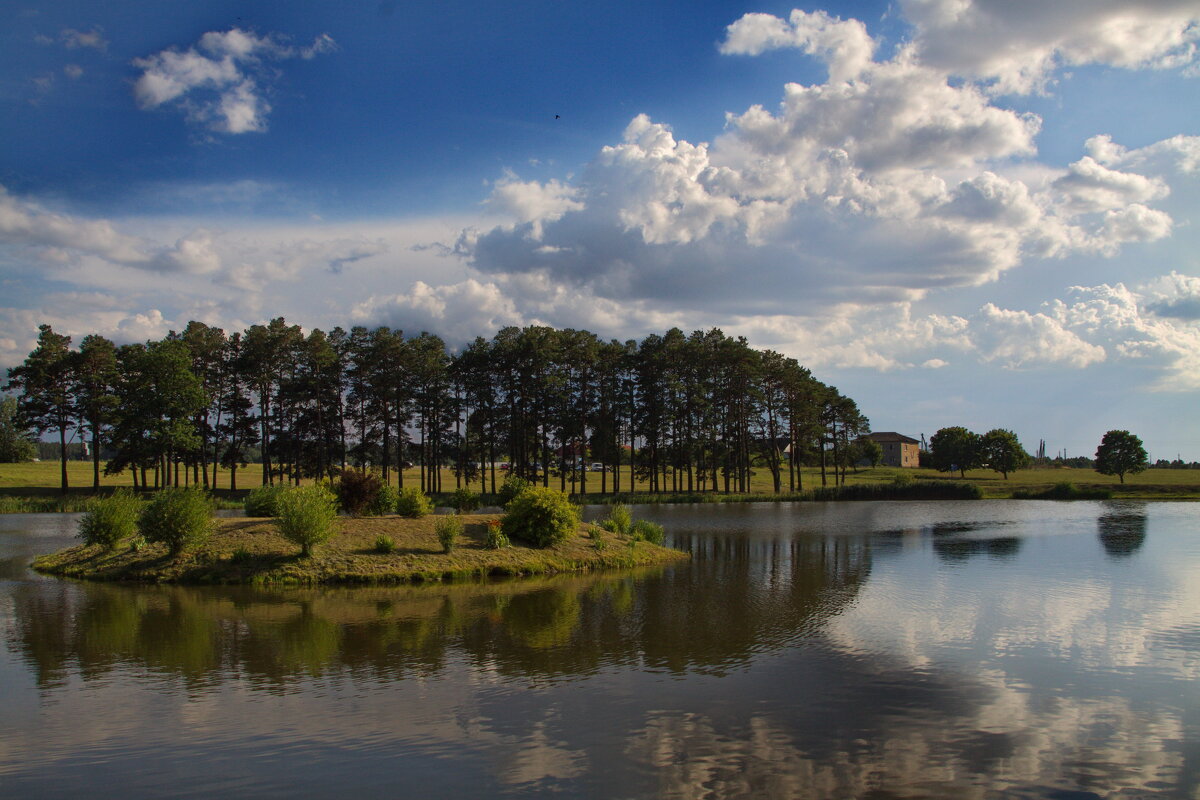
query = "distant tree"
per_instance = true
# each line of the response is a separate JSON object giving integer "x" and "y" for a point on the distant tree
{"x": 1000, "y": 450}
{"x": 47, "y": 401}
{"x": 953, "y": 449}
{"x": 869, "y": 450}
{"x": 1121, "y": 453}
{"x": 684, "y": 413}
{"x": 15, "y": 443}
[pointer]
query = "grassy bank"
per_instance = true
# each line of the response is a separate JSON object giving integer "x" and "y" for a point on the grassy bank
{"x": 34, "y": 486}
{"x": 251, "y": 551}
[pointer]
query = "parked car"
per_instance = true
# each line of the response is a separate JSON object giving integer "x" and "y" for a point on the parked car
{"x": 596, "y": 466}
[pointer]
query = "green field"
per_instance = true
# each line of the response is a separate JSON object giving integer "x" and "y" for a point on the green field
{"x": 41, "y": 480}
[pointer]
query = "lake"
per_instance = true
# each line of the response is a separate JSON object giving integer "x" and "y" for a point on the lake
{"x": 949, "y": 649}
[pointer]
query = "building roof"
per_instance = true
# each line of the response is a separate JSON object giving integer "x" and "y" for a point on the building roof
{"x": 891, "y": 436}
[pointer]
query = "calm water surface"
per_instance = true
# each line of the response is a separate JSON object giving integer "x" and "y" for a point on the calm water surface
{"x": 982, "y": 649}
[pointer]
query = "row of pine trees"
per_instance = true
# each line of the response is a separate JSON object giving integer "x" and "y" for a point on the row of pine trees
{"x": 691, "y": 413}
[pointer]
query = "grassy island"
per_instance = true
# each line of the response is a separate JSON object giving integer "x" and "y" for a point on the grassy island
{"x": 246, "y": 550}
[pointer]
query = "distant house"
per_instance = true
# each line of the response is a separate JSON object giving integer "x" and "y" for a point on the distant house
{"x": 573, "y": 452}
{"x": 898, "y": 450}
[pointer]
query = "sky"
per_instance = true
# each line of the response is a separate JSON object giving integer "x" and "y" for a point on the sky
{"x": 959, "y": 212}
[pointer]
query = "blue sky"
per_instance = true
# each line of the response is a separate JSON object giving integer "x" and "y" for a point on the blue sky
{"x": 960, "y": 213}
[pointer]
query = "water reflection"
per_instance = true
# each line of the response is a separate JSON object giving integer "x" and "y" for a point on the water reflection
{"x": 880, "y": 650}
{"x": 1122, "y": 532}
{"x": 738, "y": 599}
{"x": 1000, "y": 547}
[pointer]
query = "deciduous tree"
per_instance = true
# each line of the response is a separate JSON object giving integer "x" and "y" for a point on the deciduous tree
{"x": 1000, "y": 450}
{"x": 1121, "y": 453}
{"x": 15, "y": 443}
{"x": 953, "y": 449}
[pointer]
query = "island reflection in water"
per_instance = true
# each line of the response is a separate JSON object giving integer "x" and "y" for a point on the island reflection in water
{"x": 814, "y": 651}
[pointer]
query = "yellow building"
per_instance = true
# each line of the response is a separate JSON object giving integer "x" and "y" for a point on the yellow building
{"x": 898, "y": 450}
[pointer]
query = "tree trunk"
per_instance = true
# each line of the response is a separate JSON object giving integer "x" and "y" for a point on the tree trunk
{"x": 95, "y": 458}
{"x": 62, "y": 456}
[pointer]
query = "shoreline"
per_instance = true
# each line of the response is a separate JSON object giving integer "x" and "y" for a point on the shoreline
{"x": 47, "y": 501}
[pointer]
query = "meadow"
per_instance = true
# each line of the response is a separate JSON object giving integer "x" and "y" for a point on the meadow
{"x": 33, "y": 486}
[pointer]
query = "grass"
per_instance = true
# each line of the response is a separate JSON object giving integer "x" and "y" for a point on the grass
{"x": 1064, "y": 490}
{"x": 38, "y": 483}
{"x": 252, "y": 551}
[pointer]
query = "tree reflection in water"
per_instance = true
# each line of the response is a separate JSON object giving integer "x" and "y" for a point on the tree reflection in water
{"x": 1122, "y": 532}
{"x": 738, "y": 598}
{"x": 836, "y": 650}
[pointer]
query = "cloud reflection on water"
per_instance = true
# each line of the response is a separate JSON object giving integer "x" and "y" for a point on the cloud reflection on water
{"x": 890, "y": 654}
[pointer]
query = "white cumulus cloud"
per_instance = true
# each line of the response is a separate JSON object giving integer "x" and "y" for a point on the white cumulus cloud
{"x": 844, "y": 45}
{"x": 219, "y": 81}
{"x": 888, "y": 181}
{"x": 1017, "y": 46}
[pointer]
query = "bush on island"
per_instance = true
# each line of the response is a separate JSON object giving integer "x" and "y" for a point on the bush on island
{"x": 648, "y": 531}
{"x": 464, "y": 501}
{"x": 413, "y": 503}
{"x": 619, "y": 520}
{"x": 513, "y": 486}
{"x": 496, "y": 540}
{"x": 543, "y": 517}
{"x": 448, "y": 529}
{"x": 110, "y": 519}
{"x": 182, "y": 519}
{"x": 384, "y": 503}
{"x": 305, "y": 516}
{"x": 261, "y": 501}
{"x": 358, "y": 491}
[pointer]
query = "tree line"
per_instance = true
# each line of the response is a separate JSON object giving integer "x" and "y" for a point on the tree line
{"x": 958, "y": 449}
{"x": 689, "y": 413}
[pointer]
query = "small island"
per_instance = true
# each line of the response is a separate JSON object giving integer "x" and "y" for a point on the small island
{"x": 245, "y": 550}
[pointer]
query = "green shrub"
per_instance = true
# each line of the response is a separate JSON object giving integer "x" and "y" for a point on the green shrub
{"x": 182, "y": 519}
{"x": 597, "y": 539}
{"x": 923, "y": 490}
{"x": 384, "y": 503}
{"x": 306, "y": 516}
{"x": 1063, "y": 490}
{"x": 619, "y": 520}
{"x": 903, "y": 479}
{"x": 241, "y": 556}
{"x": 648, "y": 531}
{"x": 358, "y": 491}
{"x": 513, "y": 486}
{"x": 448, "y": 529}
{"x": 413, "y": 503}
{"x": 385, "y": 544}
{"x": 496, "y": 540}
{"x": 543, "y": 517}
{"x": 464, "y": 501}
{"x": 110, "y": 519}
{"x": 261, "y": 501}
